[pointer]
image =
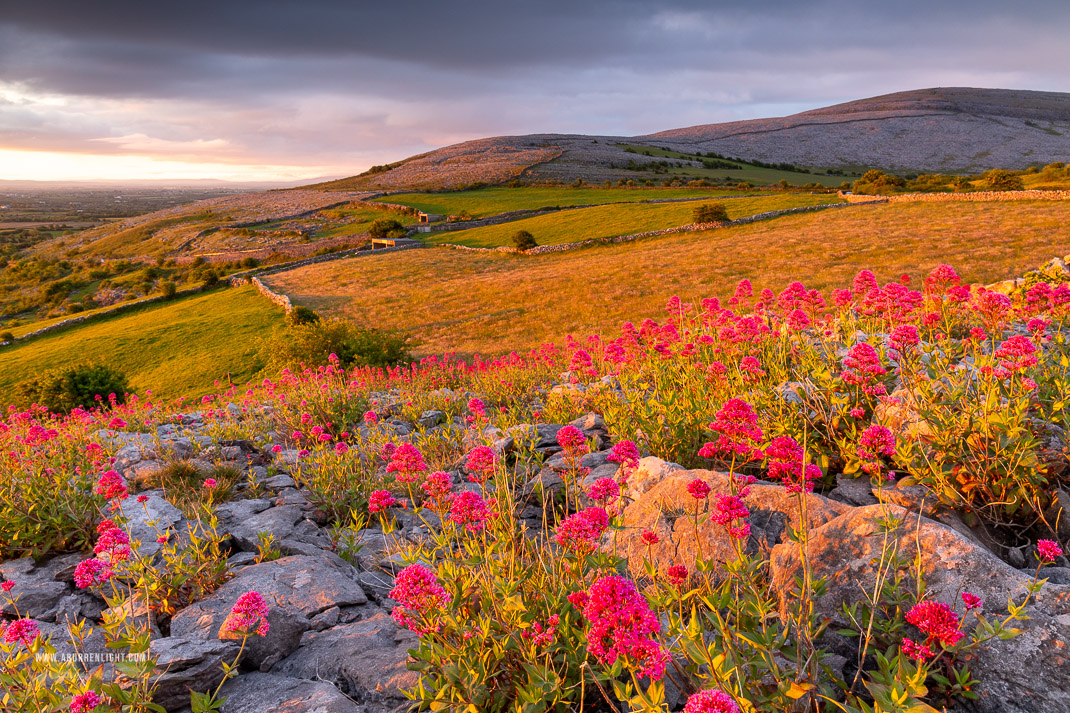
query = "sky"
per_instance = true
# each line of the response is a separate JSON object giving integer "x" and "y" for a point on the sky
{"x": 278, "y": 90}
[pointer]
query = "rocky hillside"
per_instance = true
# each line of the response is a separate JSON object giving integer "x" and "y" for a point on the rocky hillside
{"x": 947, "y": 130}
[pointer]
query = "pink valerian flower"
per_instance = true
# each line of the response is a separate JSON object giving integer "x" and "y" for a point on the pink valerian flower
{"x": 621, "y": 626}
{"x": 1048, "y": 550}
{"x": 712, "y": 701}
{"x": 842, "y": 298}
{"x": 650, "y": 538}
{"x": 580, "y": 532}
{"x": 572, "y": 440}
{"x": 210, "y": 483}
{"x": 85, "y": 702}
{"x": 1017, "y": 354}
{"x": 876, "y": 442}
{"x": 8, "y": 585}
{"x": 864, "y": 282}
{"x": 937, "y": 620}
{"x": 481, "y": 463}
{"x": 420, "y": 599}
{"x": 797, "y": 320}
{"x": 578, "y": 599}
{"x": 941, "y": 279}
{"x": 903, "y": 337}
{"x": 862, "y": 365}
{"x": 380, "y": 500}
{"x": 90, "y": 572}
{"x": 994, "y": 309}
{"x": 604, "y": 490}
{"x": 751, "y": 369}
{"x": 743, "y": 293}
{"x": 111, "y": 539}
{"x": 437, "y": 485}
{"x": 406, "y": 462}
{"x": 111, "y": 486}
{"x": 738, "y": 433}
{"x": 698, "y": 489}
{"x": 248, "y": 616}
{"x": 857, "y": 412}
{"x": 627, "y": 454}
{"x": 116, "y": 423}
{"x": 916, "y": 651}
{"x": 341, "y": 448}
{"x": 370, "y": 417}
{"x": 786, "y": 465}
{"x": 142, "y": 499}
{"x": 978, "y": 334}
{"x": 540, "y": 636}
{"x": 677, "y": 575}
{"x": 469, "y": 510}
{"x": 728, "y": 511}
{"x": 478, "y": 411}
{"x": 972, "y": 601}
{"x": 21, "y": 631}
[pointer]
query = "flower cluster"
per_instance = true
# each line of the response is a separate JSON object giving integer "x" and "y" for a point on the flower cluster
{"x": 469, "y": 510}
{"x": 736, "y": 424}
{"x": 481, "y": 463}
{"x": 248, "y": 616}
{"x": 786, "y": 465}
{"x": 711, "y": 702}
{"x": 406, "y": 462}
{"x": 622, "y": 627}
{"x": 380, "y": 500}
{"x": 580, "y": 532}
{"x": 420, "y": 599}
{"x": 937, "y": 620}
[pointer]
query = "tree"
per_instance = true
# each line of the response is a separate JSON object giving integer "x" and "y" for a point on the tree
{"x": 523, "y": 240}
{"x": 168, "y": 289}
{"x": 710, "y": 213}
{"x": 999, "y": 180}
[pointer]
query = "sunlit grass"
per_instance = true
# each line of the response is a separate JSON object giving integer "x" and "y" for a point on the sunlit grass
{"x": 490, "y": 303}
{"x": 612, "y": 220}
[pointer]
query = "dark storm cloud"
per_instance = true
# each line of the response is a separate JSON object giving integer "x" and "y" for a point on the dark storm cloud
{"x": 298, "y": 81}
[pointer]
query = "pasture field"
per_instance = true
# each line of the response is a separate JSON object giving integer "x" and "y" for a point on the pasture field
{"x": 492, "y": 302}
{"x": 179, "y": 348}
{"x": 608, "y": 221}
{"x": 483, "y": 202}
{"x": 757, "y": 175}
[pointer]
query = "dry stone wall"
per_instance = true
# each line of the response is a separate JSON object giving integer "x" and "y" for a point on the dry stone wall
{"x": 972, "y": 196}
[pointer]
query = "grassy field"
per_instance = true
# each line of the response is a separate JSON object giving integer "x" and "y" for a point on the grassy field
{"x": 494, "y": 302}
{"x": 352, "y": 219}
{"x": 572, "y": 226}
{"x": 490, "y": 201}
{"x": 175, "y": 349}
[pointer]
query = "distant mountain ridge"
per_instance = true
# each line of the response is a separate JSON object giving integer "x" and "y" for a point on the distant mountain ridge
{"x": 939, "y": 130}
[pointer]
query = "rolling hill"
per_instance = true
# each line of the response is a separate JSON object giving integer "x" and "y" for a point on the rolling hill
{"x": 946, "y": 130}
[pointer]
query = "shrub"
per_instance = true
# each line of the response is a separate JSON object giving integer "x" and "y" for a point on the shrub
{"x": 168, "y": 289}
{"x": 77, "y": 385}
{"x": 382, "y": 228}
{"x": 7, "y": 337}
{"x": 523, "y": 240}
{"x": 250, "y": 262}
{"x": 999, "y": 180}
{"x": 313, "y": 344}
{"x": 710, "y": 213}
{"x": 302, "y": 315}
{"x": 211, "y": 278}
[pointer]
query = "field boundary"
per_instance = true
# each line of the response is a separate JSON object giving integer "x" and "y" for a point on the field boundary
{"x": 972, "y": 196}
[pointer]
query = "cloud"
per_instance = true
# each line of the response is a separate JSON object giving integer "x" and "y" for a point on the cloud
{"x": 318, "y": 83}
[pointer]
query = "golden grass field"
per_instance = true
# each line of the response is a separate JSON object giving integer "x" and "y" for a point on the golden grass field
{"x": 454, "y": 300}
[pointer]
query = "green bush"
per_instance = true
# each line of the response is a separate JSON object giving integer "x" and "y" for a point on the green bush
{"x": 710, "y": 213}
{"x": 7, "y": 337}
{"x": 63, "y": 389}
{"x": 211, "y": 278}
{"x": 381, "y": 228}
{"x": 523, "y": 240}
{"x": 302, "y": 315}
{"x": 312, "y": 344}
{"x": 250, "y": 262}
{"x": 168, "y": 288}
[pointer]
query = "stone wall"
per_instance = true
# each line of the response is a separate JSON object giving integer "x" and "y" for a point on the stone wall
{"x": 972, "y": 196}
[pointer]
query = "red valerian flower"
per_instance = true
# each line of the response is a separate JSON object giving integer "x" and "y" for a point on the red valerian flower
{"x": 248, "y": 616}
{"x": 937, "y": 620}
{"x": 406, "y": 462}
{"x": 785, "y": 464}
{"x": 86, "y": 702}
{"x": 737, "y": 427}
{"x": 650, "y": 538}
{"x": 21, "y": 631}
{"x": 480, "y": 463}
{"x": 469, "y": 510}
{"x": 916, "y": 651}
{"x": 677, "y": 574}
{"x": 90, "y": 572}
{"x": 111, "y": 486}
{"x": 604, "y": 490}
{"x": 437, "y": 485}
{"x": 380, "y": 500}
{"x": 972, "y": 601}
{"x": 580, "y": 532}
{"x": 726, "y": 511}
{"x": 1048, "y": 550}
{"x": 572, "y": 440}
{"x": 621, "y": 626}
{"x": 420, "y": 599}
{"x": 712, "y": 701}
{"x": 698, "y": 489}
